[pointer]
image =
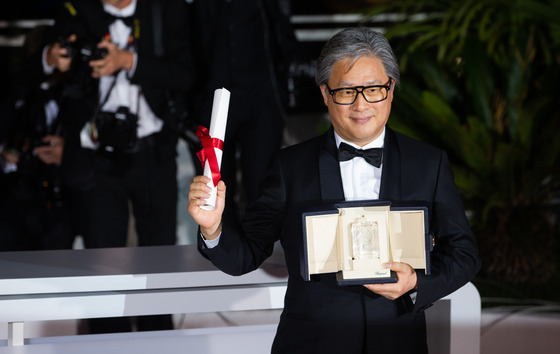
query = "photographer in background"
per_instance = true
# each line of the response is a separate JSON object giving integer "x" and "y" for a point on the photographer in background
{"x": 35, "y": 209}
{"x": 128, "y": 67}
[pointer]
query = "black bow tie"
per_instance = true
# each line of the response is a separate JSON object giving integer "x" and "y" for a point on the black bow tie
{"x": 128, "y": 21}
{"x": 372, "y": 156}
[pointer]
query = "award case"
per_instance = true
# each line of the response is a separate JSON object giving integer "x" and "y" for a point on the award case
{"x": 356, "y": 239}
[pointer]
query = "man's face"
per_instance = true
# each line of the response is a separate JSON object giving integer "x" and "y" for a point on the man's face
{"x": 360, "y": 122}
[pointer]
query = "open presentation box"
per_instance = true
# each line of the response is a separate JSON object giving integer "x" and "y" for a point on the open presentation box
{"x": 356, "y": 239}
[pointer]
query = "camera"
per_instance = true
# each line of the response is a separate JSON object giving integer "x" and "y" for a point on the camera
{"x": 83, "y": 51}
{"x": 77, "y": 82}
{"x": 117, "y": 130}
{"x": 35, "y": 182}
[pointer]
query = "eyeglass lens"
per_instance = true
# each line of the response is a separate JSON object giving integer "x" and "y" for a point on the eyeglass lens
{"x": 371, "y": 94}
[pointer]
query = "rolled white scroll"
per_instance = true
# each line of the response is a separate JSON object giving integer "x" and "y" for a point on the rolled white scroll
{"x": 217, "y": 130}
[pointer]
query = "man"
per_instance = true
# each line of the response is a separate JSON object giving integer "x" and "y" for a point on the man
{"x": 357, "y": 73}
{"x": 127, "y": 63}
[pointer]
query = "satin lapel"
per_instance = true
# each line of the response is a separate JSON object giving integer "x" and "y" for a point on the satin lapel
{"x": 329, "y": 170}
{"x": 391, "y": 175}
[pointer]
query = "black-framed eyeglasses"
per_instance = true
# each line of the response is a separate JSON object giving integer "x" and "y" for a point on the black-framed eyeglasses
{"x": 348, "y": 95}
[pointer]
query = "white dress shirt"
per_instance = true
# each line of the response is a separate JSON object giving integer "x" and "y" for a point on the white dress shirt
{"x": 124, "y": 93}
{"x": 360, "y": 180}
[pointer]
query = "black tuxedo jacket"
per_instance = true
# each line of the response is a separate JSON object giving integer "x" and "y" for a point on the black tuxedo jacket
{"x": 319, "y": 316}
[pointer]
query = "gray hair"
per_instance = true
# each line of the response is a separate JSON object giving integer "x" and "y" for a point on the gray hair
{"x": 353, "y": 43}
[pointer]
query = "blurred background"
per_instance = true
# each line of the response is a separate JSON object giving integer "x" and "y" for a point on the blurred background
{"x": 479, "y": 80}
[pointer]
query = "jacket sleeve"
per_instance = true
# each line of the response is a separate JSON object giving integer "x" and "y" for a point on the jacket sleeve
{"x": 243, "y": 249}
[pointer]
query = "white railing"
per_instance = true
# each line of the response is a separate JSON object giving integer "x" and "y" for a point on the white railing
{"x": 133, "y": 281}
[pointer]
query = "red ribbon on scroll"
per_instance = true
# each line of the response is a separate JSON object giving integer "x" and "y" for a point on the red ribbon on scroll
{"x": 208, "y": 153}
